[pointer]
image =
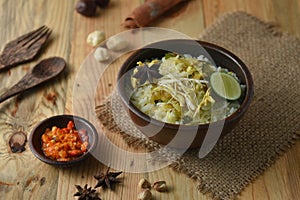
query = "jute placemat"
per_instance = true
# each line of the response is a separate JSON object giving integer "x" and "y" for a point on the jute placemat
{"x": 268, "y": 129}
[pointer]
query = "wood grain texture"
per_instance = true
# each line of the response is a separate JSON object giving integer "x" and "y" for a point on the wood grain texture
{"x": 284, "y": 14}
{"x": 24, "y": 177}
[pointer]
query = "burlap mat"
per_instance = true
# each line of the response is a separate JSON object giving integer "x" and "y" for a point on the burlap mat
{"x": 269, "y": 127}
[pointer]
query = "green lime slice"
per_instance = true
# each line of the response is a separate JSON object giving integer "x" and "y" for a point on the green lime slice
{"x": 225, "y": 85}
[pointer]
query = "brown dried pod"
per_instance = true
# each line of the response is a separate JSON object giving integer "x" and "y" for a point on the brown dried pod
{"x": 107, "y": 179}
{"x": 86, "y": 193}
{"x": 160, "y": 186}
{"x": 86, "y": 7}
{"x": 17, "y": 142}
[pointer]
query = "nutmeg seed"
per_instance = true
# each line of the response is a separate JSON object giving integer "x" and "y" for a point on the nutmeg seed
{"x": 17, "y": 142}
{"x": 145, "y": 195}
{"x": 86, "y": 7}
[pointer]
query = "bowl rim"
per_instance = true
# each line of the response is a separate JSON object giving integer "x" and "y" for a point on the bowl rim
{"x": 230, "y": 119}
{"x": 43, "y": 158}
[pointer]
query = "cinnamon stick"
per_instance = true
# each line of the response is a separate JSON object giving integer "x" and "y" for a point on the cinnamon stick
{"x": 146, "y": 13}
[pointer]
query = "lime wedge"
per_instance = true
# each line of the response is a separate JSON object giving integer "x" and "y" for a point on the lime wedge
{"x": 225, "y": 85}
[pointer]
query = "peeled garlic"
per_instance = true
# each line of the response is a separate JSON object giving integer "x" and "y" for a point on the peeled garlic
{"x": 116, "y": 43}
{"x": 95, "y": 38}
{"x": 101, "y": 54}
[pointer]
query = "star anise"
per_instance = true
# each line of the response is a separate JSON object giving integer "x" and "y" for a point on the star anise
{"x": 107, "y": 179}
{"x": 145, "y": 73}
{"x": 86, "y": 193}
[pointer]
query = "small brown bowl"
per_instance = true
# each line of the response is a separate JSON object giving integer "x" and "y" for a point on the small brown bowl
{"x": 61, "y": 121}
{"x": 183, "y": 136}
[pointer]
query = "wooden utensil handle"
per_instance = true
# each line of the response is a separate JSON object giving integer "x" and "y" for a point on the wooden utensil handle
{"x": 10, "y": 92}
{"x": 25, "y": 83}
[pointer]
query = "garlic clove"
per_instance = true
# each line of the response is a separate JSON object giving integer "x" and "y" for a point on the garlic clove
{"x": 95, "y": 38}
{"x": 101, "y": 54}
{"x": 116, "y": 43}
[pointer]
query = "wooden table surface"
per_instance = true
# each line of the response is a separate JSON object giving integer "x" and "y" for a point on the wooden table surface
{"x": 22, "y": 176}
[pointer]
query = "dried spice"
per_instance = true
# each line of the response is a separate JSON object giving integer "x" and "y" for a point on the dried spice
{"x": 107, "y": 179}
{"x": 148, "y": 12}
{"x": 160, "y": 186}
{"x": 144, "y": 183}
{"x": 102, "y": 3}
{"x": 86, "y": 7}
{"x": 17, "y": 142}
{"x": 145, "y": 195}
{"x": 146, "y": 73}
{"x": 86, "y": 193}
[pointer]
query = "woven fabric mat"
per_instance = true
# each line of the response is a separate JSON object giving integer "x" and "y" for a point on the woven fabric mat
{"x": 268, "y": 129}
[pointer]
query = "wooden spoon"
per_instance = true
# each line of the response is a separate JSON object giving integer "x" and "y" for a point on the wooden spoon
{"x": 43, "y": 71}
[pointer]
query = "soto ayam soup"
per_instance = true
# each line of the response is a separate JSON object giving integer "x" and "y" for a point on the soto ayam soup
{"x": 181, "y": 89}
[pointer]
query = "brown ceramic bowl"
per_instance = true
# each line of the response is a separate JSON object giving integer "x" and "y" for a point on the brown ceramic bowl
{"x": 61, "y": 121}
{"x": 183, "y": 136}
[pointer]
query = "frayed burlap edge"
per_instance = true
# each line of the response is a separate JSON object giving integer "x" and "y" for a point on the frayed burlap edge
{"x": 273, "y": 27}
